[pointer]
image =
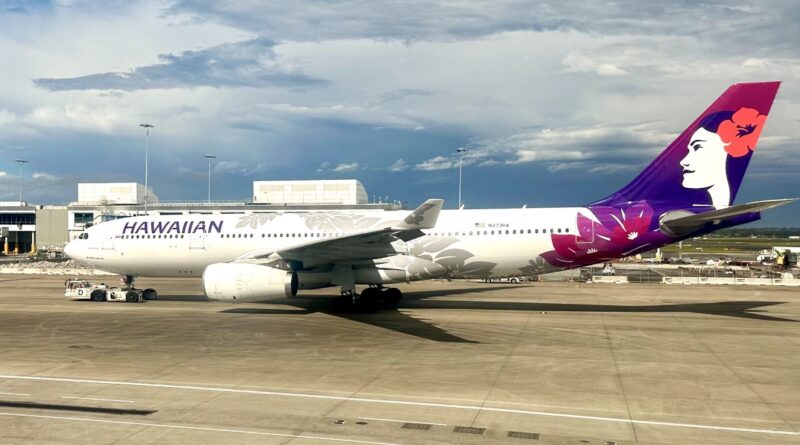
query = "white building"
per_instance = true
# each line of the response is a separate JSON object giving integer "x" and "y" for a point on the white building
{"x": 342, "y": 192}
{"x": 113, "y": 193}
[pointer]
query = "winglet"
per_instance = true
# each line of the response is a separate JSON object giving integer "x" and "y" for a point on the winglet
{"x": 424, "y": 217}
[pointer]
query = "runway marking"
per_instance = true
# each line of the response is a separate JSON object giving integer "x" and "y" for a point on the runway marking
{"x": 402, "y": 421}
{"x": 195, "y": 428}
{"x": 97, "y": 399}
{"x": 407, "y": 403}
{"x": 13, "y": 394}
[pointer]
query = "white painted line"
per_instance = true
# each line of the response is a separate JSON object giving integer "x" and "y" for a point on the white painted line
{"x": 406, "y": 403}
{"x": 13, "y": 394}
{"x": 99, "y": 400}
{"x": 402, "y": 421}
{"x": 195, "y": 428}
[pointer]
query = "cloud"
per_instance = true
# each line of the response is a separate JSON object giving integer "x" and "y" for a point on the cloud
{"x": 38, "y": 188}
{"x": 597, "y": 142}
{"x": 436, "y": 163}
{"x": 398, "y": 166}
{"x": 420, "y": 20}
{"x": 2, "y": 173}
{"x": 45, "y": 176}
{"x": 250, "y": 63}
{"x": 606, "y": 169}
{"x": 339, "y": 168}
{"x": 345, "y": 168}
{"x": 577, "y": 63}
{"x": 523, "y": 156}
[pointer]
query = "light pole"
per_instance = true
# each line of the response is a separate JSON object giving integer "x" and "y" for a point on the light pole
{"x": 460, "y": 151}
{"x": 20, "y": 162}
{"x": 209, "y": 157}
{"x": 146, "y": 155}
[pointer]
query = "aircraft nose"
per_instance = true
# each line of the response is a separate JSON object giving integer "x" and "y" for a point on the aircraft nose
{"x": 69, "y": 249}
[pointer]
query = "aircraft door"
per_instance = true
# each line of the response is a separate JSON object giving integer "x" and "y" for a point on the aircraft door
{"x": 585, "y": 232}
{"x": 108, "y": 243}
{"x": 197, "y": 241}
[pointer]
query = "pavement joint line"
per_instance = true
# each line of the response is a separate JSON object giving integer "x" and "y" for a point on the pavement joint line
{"x": 407, "y": 403}
{"x": 97, "y": 399}
{"x": 746, "y": 383}
{"x": 402, "y": 421}
{"x": 618, "y": 374}
{"x": 195, "y": 428}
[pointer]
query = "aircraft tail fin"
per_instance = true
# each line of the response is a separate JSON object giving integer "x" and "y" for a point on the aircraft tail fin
{"x": 705, "y": 165}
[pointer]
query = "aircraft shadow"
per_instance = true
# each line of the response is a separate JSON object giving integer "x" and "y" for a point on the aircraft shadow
{"x": 183, "y": 298}
{"x": 397, "y": 320}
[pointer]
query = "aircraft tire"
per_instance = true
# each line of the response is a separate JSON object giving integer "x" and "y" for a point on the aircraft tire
{"x": 392, "y": 296}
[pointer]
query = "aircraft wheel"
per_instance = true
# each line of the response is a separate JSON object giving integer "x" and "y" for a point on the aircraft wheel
{"x": 150, "y": 294}
{"x": 370, "y": 293}
{"x": 392, "y": 296}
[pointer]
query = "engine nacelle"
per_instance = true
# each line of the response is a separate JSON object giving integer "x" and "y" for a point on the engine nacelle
{"x": 241, "y": 282}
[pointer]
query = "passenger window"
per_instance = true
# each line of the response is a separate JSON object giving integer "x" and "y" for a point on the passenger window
{"x": 506, "y": 232}
{"x": 566, "y": 230}
{"x": 559, "y": 230}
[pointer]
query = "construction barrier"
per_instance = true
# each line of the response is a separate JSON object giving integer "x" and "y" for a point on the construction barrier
{"x": 731, "y": 281}
{"x": 610, "y": 279}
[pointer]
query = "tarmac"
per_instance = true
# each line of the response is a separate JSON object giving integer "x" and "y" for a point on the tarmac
{"x": 458, "y": 362}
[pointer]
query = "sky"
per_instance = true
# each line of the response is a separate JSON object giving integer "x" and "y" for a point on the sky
{"x": 557, "y": 103}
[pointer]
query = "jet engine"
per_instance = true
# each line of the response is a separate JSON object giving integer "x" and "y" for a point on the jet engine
{"x": 241, "y": 282}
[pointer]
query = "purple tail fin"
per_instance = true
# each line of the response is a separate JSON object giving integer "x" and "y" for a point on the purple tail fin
{"x": 705, "y": 165}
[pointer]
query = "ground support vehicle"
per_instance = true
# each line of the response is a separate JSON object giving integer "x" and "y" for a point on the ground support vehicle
{"x": 77, "y": 289}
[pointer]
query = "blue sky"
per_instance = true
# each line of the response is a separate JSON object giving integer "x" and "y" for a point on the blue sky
{"x": 558, "y": 103}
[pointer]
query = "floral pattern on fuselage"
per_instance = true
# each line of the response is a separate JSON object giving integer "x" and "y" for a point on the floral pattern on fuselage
{"x": 607, "y": 233}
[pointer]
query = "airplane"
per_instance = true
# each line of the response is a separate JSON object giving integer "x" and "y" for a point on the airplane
{"x": 687, "y": 191}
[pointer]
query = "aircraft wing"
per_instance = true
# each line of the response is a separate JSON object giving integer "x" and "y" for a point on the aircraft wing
{"x": 353, "y": 247}
{"x": 685, "y": 222}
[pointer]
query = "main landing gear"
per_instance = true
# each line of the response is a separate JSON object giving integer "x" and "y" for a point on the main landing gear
{"x": 147, "y": 294}
{"x": 370, "y": 299}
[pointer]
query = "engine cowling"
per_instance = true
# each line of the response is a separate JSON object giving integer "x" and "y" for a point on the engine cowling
{"x": 241, "y": 282}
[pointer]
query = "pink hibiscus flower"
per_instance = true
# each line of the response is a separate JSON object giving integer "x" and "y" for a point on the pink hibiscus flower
{"x": 741, "y": 132}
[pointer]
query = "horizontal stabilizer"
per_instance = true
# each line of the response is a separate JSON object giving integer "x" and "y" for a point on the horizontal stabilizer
{"x": 680, "y": 222}
{"x": 424, "y": 217}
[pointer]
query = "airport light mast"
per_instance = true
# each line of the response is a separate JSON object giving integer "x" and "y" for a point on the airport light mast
{"x": 460, "y": 151}
{"x": 210, "y": 158}
{"x": 20, "y": 162}
{"x": 146, "y": 155}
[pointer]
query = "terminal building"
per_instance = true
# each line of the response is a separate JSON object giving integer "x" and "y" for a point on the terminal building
{"x": 25, "y": 228}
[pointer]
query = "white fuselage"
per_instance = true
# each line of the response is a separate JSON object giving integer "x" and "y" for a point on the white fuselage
{"x": 478, "y": 243}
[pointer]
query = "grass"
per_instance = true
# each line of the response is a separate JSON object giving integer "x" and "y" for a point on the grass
{"x": 728, "y": 245}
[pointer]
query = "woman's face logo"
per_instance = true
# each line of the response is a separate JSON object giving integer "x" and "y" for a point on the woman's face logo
{"x": 704, "y": 164}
